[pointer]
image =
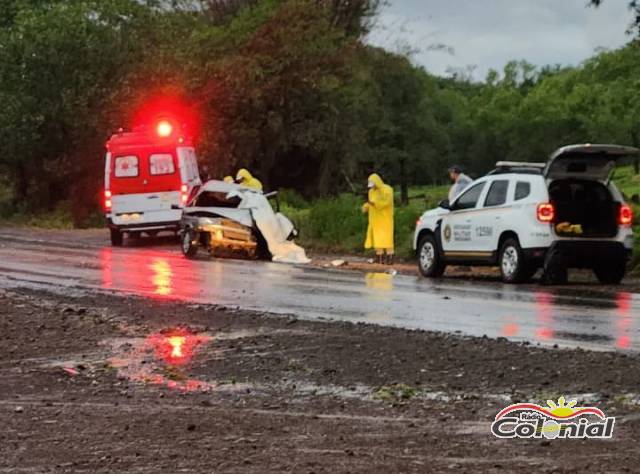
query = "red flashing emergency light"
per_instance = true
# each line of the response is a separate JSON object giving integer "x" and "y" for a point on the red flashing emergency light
{"x": 107, "y": 200}
{"x": 164, "y": 129}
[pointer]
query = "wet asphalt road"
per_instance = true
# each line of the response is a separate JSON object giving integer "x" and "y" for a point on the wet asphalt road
{"x": 67, "y": 261}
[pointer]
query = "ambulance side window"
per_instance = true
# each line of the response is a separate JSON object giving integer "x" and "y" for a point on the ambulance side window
{"x": 194, "y": 166}
{"x": 161, "y": 163}
{"x": 126, "y": 166}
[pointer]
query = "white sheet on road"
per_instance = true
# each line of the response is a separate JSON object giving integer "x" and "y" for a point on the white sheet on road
{"x": 275, "y": 228}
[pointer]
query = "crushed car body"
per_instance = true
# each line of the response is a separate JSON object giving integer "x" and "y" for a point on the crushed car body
{"x": 227, "y": 219}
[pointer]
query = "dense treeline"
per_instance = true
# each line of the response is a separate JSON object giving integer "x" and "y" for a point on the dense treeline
{"x": 288, "y": 88}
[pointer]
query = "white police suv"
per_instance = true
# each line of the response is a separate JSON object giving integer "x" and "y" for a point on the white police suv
{"x": 522, "y": 216}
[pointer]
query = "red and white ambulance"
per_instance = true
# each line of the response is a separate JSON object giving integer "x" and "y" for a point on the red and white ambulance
{"x": 149, "y": 175}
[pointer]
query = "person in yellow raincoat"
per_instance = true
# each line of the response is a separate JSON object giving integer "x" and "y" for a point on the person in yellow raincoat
{"x": 246, "y": 179}
{"x": 380, "y": 210}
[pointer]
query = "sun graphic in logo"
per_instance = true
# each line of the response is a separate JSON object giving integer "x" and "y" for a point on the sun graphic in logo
{"x": 562, "y": 409}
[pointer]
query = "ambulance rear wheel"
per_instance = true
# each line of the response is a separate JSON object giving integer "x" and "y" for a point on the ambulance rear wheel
{"x": 189, "y": 244}
{"x": 116, "y": 238}
{"x": 430, "y": 262}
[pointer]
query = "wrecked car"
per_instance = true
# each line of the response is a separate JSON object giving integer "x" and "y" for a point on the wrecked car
{"x": 229, "y": 220}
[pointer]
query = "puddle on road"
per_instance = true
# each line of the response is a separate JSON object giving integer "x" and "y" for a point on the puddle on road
{"x": 162, "y": 359}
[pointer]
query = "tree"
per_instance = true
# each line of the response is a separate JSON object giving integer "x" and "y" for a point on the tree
{"x": 634, "y": 5}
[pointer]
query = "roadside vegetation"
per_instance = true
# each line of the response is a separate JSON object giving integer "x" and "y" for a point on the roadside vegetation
{"x": 290, "y": 89}
{"x": 338, "y": 225}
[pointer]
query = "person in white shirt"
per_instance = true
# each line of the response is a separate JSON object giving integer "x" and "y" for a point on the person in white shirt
{"x": 460, "y": 181}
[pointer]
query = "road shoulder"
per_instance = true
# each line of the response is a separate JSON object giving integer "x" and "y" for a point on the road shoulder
{"x": 89, "y": 383}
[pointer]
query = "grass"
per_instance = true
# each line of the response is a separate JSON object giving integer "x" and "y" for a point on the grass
{"x": 59, "y": 218}
{"x": 395, "y": 393}
{"x": 337, "y": 224}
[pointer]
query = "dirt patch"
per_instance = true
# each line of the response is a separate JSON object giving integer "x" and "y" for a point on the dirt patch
{"x": 104, "y": 384}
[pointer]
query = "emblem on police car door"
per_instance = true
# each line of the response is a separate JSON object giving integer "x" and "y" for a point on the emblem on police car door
{"x": 447, "y": 233}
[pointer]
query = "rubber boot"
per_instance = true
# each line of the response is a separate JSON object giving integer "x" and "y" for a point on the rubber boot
{"x": 380, "y": 259}
{"x": 389, "y": 259}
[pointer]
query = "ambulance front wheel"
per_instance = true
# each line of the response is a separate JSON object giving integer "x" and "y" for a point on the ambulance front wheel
{"x": 189, "y": 244}
{"x": 116, "y": 238}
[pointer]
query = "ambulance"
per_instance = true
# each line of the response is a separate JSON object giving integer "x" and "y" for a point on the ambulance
{"x": 149, "y": 174}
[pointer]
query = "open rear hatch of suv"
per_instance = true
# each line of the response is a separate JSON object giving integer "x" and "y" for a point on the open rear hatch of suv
{"x": 578, "y": 178}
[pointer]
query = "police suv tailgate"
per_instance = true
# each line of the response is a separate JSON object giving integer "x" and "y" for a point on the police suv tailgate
{"x": 590, "y": 162}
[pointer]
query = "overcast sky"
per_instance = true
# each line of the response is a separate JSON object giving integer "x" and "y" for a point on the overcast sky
{"x": 489, "y": 33}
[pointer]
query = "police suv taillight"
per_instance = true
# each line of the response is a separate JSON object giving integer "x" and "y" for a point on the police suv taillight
{"x": 625, "y": 215}
{"x": 546, "y": 212}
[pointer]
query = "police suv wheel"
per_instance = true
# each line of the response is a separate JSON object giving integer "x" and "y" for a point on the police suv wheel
{"x": 555, "y": 270}
{"x": 188, "y": 244}
{"x": 429, "y": 260}
{"x": 610, "y": 273}
{"x": 511, "y": 260}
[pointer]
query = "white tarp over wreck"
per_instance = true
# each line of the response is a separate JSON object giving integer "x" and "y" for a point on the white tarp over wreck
{"x": 274, "y": 227}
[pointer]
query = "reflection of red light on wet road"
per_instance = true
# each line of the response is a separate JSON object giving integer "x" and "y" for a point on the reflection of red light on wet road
{"x": 623, "y": 324}
{"x": 623, "y": 342}
{"x": 545, "y": 333}
{"x": 149, "y": 272}
{"x": 162, "y": 277}
{"x": 544, "y": 305}
{"x": 162, "y": 359}
{"x": 623, "y": 302}
{"x": 175, "y": 347}
{"x": 510, "y": 330}
{"x": 176, "y": 343}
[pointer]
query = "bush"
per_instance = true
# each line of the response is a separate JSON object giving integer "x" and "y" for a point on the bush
{"x": 338, "y": 225}
{"x": 334, "y": 224}
{"x": 292, "y": 199}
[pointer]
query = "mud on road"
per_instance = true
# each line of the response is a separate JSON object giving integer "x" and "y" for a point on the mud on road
{"x": 105, "y": 383}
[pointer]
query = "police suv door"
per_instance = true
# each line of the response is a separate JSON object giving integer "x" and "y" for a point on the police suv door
{"x": 493, "y": 216}
{"x": 457, "y": 227}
